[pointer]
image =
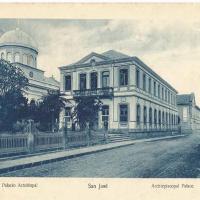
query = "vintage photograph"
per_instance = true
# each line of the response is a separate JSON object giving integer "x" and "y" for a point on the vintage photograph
{"x": 100, "y": 98}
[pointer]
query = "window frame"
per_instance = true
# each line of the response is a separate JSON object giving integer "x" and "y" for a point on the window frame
{"x": 126, "y": 78}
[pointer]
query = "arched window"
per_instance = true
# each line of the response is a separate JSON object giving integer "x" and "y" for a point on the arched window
{"x": 150, "y": 116}
{"x": 30, "y": 60}
{"x": 169, "y": 119}
{"x": 163, "y": 118}
{"x": 25, "y": 59}
{"x": 16, "y": 58}
{"x": 155, "y": 117}
{"x": 145, "y": 115}
{"x": 159, "y": 118}
{"x": 2, "y": 55}
{"x": 166, "y": 119}
{"x": 9, "y": 57}
{"x": 105, "y": 79}
{"x": 138, "y": 113}
{"x": 93, "y": 80}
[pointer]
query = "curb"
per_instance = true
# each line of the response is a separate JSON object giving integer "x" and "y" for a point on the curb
{"x": 84, "y": 151}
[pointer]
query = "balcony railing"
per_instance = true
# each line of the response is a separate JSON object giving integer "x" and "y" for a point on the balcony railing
{"x": 100, "y": 92}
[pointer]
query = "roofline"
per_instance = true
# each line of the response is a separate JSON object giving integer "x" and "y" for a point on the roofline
{"x": 114, "y": 61}
{"x": 28, "y": 66}
{"x": 19, "y": 45}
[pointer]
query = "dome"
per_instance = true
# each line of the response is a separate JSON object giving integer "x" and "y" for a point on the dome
{"x": 19, "y": 38}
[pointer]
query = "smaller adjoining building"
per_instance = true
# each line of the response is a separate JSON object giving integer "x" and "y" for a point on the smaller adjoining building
{"x": 189, "y": 113}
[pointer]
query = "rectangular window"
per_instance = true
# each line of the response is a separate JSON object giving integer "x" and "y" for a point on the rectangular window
{"x": 154, "y": 88}
{"x": 137, "y": 78}
{"x": 82, "y": 82}
{"x": 123, "y": 113}
{"x": 105, "y": 79}
{"x": 150, "y": 85}
{"x": 144, "y": 82}
{"x": 68, "y": 114}
{"x": 165, "y": 95}
{"x": 105, "y": 113}
{"x": 67, "y": 83}
{"x": 123, "y": 77}
{"x": 168, "y": 97}
{"x": 158, "y": 91}
{"x": 93, "y": 80}
{"x": 162, "y": 93}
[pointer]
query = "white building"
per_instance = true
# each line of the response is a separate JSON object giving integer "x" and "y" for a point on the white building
{"x": 133, "y": 95}
{"x": 19, "y": 48}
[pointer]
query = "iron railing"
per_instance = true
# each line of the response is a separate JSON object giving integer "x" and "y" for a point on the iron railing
{"x": 100, "y": 92}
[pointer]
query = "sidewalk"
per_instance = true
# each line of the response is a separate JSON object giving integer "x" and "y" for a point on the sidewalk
{"x": 26, "y": 162}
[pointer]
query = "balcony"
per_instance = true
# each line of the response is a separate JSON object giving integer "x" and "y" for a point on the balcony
{"x": 99, "y": 92}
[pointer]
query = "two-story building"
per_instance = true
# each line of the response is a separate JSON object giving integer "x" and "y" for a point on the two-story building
{"x": 133, "y": 95}
{"x": 189, "y": 113}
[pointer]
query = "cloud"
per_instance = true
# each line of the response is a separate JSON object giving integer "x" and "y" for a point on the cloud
{"x": 170, "y": 47}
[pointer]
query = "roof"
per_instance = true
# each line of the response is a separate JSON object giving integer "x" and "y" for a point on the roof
{"x": 53, "y": 81}
{"x": 113, "y": 57}
{"x": 112, "y": 54}
{"x": 19, "y": 38}
{"x": 185, "y": 99}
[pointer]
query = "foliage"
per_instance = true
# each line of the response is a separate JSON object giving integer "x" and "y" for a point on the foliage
{"x": 11, "y": 78}
{"x": 48, "y": 110}
{"x": 86, "y": 110}
{"x": 13, "y": 107}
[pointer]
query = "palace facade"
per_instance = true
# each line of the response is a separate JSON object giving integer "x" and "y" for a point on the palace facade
{"x": 20, "y": 49}
{"x": 189, "y": 113}
{"x": 133, "y": 95}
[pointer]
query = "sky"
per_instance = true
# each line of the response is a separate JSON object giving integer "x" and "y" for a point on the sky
{"x": 170, "y": 47}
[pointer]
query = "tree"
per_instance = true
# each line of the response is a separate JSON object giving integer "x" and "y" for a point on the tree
{"x": 12, "y": 78}
{"x": 49, "y": 109}
{"x": 13, "y": 107}
{"x": 86, "y": 111}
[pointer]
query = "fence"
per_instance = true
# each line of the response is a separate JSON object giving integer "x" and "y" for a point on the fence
{"x": 13, "y": 143}
{"x": 29, "y": 143}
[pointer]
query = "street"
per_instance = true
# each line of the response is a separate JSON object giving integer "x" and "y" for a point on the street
{"x": 174, "y": 158}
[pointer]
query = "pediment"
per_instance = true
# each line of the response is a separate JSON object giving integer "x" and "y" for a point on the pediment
{"x": 92, "y": 57}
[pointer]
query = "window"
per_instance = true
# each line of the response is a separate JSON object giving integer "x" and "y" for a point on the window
{"x": 150, "y": 85}
{"x": 154, "y": 88}
{"x": 137, "y": 78}
{"x": 105, "y": 113}
{"x": 185, "y": 114}
{"x": 155, "y": 117}
{"x": 159, "y": 118}
{"x": 168, "y": 97}
{"x": 16, "y": 57}
{"x": 145, "y": 116}
{"x": 166, "y": 118}
{"x": 123, "y": 77}
{"x": 2, "y": 55}
{"x": 67, "y": 82}
{"x": 30, "y": 60}
{"x": 138, "y": 113}
{"x": 165, "y": 95}
{"x": 144, "y": 82}
{"x": 171, "y": 99}
{"x": 150, "y": 116}
{"x": 93, "y": 80}
{"x": 25, "y": 59}
{"x": 162, "y": 93}
{"x": 163, "y": 118}
{"x": 105, "y": 79}
{"x": 68, "y": 114}
{"x": 158, "y": 91}
{"x": 82, "y": 82}
{"x": 9, "y": 57}
{"x": 123, "y": 113}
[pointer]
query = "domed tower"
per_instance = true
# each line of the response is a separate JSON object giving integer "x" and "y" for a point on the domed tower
{"x": 16, "y": 46}
{"x": 20, "y": 49}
